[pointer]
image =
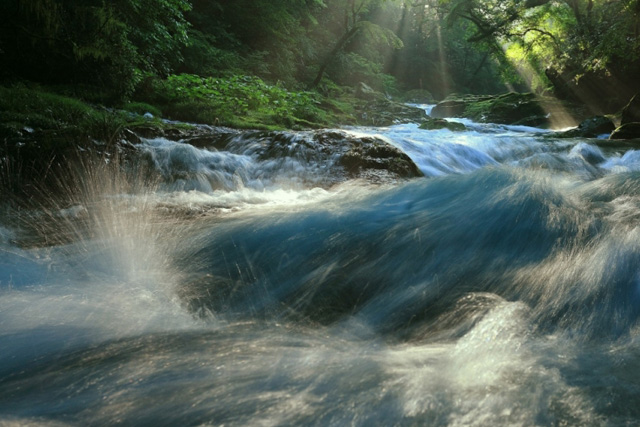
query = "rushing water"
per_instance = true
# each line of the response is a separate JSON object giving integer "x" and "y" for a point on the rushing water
{"x": 233, "y": 288}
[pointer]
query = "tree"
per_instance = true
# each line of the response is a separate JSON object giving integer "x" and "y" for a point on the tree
{"x": 589, "y": 50}
{"x": 352, "y": 18}
{"x": 106, "y": 42}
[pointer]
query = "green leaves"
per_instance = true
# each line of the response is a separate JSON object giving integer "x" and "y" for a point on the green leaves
{"x": 238, "y": 95}
{"x": 99, "y": 40}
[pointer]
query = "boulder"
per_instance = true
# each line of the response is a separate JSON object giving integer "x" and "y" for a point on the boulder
{"x": 627, "y": 131}
{"x": 419, "y": 96}
{"x": 525, "y": 109}
{"x": 631, "y": 113}
{"x": 348, "y": 155}
{"x": 590, "y": 128}
{"x": 509, "y": 108}
{"x": 366, "y": 92}
{"x": 367, "y": 156}
{"x": 449, "y": 108}
{"x": 437, "y": 124}
{"x": 385, "y": 112}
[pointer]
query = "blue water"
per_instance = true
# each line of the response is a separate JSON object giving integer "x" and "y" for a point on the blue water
{"x": 235, "y": 288}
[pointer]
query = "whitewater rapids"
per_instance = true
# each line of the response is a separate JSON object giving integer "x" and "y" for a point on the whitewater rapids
{"x": 503, "y": 288}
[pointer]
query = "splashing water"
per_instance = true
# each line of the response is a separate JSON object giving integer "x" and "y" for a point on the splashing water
{"x": 238, "y": 288}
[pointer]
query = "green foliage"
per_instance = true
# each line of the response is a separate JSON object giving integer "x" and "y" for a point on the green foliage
{"x": 567, "y": 39}
{"x": 261, "y": 37}
{"x": 225, "y": 100}
{"x": 193, "y": 58}
{"x": 29, "y": 110}
{"x": 108, "y": 43}
{"x": 202, "y": 57}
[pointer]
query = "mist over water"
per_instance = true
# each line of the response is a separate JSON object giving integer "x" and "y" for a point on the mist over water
{"x": 238, "y": 288}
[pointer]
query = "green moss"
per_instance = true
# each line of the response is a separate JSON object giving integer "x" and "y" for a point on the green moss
{"x": 436, "y": 124}
{"x": 508, "y": 108}
{"x": 34, "y": 110}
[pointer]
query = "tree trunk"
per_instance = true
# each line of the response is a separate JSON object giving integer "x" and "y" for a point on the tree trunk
{"x": 336, "y": 49}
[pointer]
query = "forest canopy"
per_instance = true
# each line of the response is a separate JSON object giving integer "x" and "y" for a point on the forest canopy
{"x": 587, "y": 50}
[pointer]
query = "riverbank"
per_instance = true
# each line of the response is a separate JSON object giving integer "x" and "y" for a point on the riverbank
{"x": 41, "y": 124}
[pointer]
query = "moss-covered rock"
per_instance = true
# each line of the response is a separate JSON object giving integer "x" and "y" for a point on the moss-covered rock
{"x": 437, "y": 124}
{"x": 385, "y": 112}
{"x": 511, "y": 108}
{"x": 366, "y": 92}
{"x": 455, "y": 105}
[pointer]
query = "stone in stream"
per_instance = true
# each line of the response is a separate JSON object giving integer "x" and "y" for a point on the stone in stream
{"x": 589, "y": 128}
{"x": 526, "y": 109}
{"x": 627, "y": 131}
{"x": 631, "y": 113}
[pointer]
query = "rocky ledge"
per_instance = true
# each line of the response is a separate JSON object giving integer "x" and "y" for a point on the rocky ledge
{"x": 353, "y": 156}
{"x": 376, "y": 109}
{"x": 525, "y": 109}
{"x": 630, "y": 121}
{"x": 600, "y": 126}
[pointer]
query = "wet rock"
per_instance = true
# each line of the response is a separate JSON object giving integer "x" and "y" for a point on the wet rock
{"x": 631, "y": 113}
{"x": 627, "y": 131}
{"x": 371, "y": 153}
{"x": 525, "y": 109}
{"x": 375, "y": 109}
{"x": 350, "y": 156}
{"x": 385, "y": 112}
{"x": 437, "y": 124}
{"x": 361, "y": 155}
{"x": 590, "y": 128}
{"x": 596, "y": 126}
{"x": 449, "y": 108}
{"x": 130, "y": 137}
{"x": 510, "y": 108}
{"x": 539, "y": 121}
{"x": 419, "y": 96}
{"x": 364, "y": 91}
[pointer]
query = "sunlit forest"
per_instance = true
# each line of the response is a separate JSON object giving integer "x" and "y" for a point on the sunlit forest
{"x": 586, "y": 51}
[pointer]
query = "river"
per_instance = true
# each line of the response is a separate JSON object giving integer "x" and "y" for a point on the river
{"x": 225, "y": 288}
